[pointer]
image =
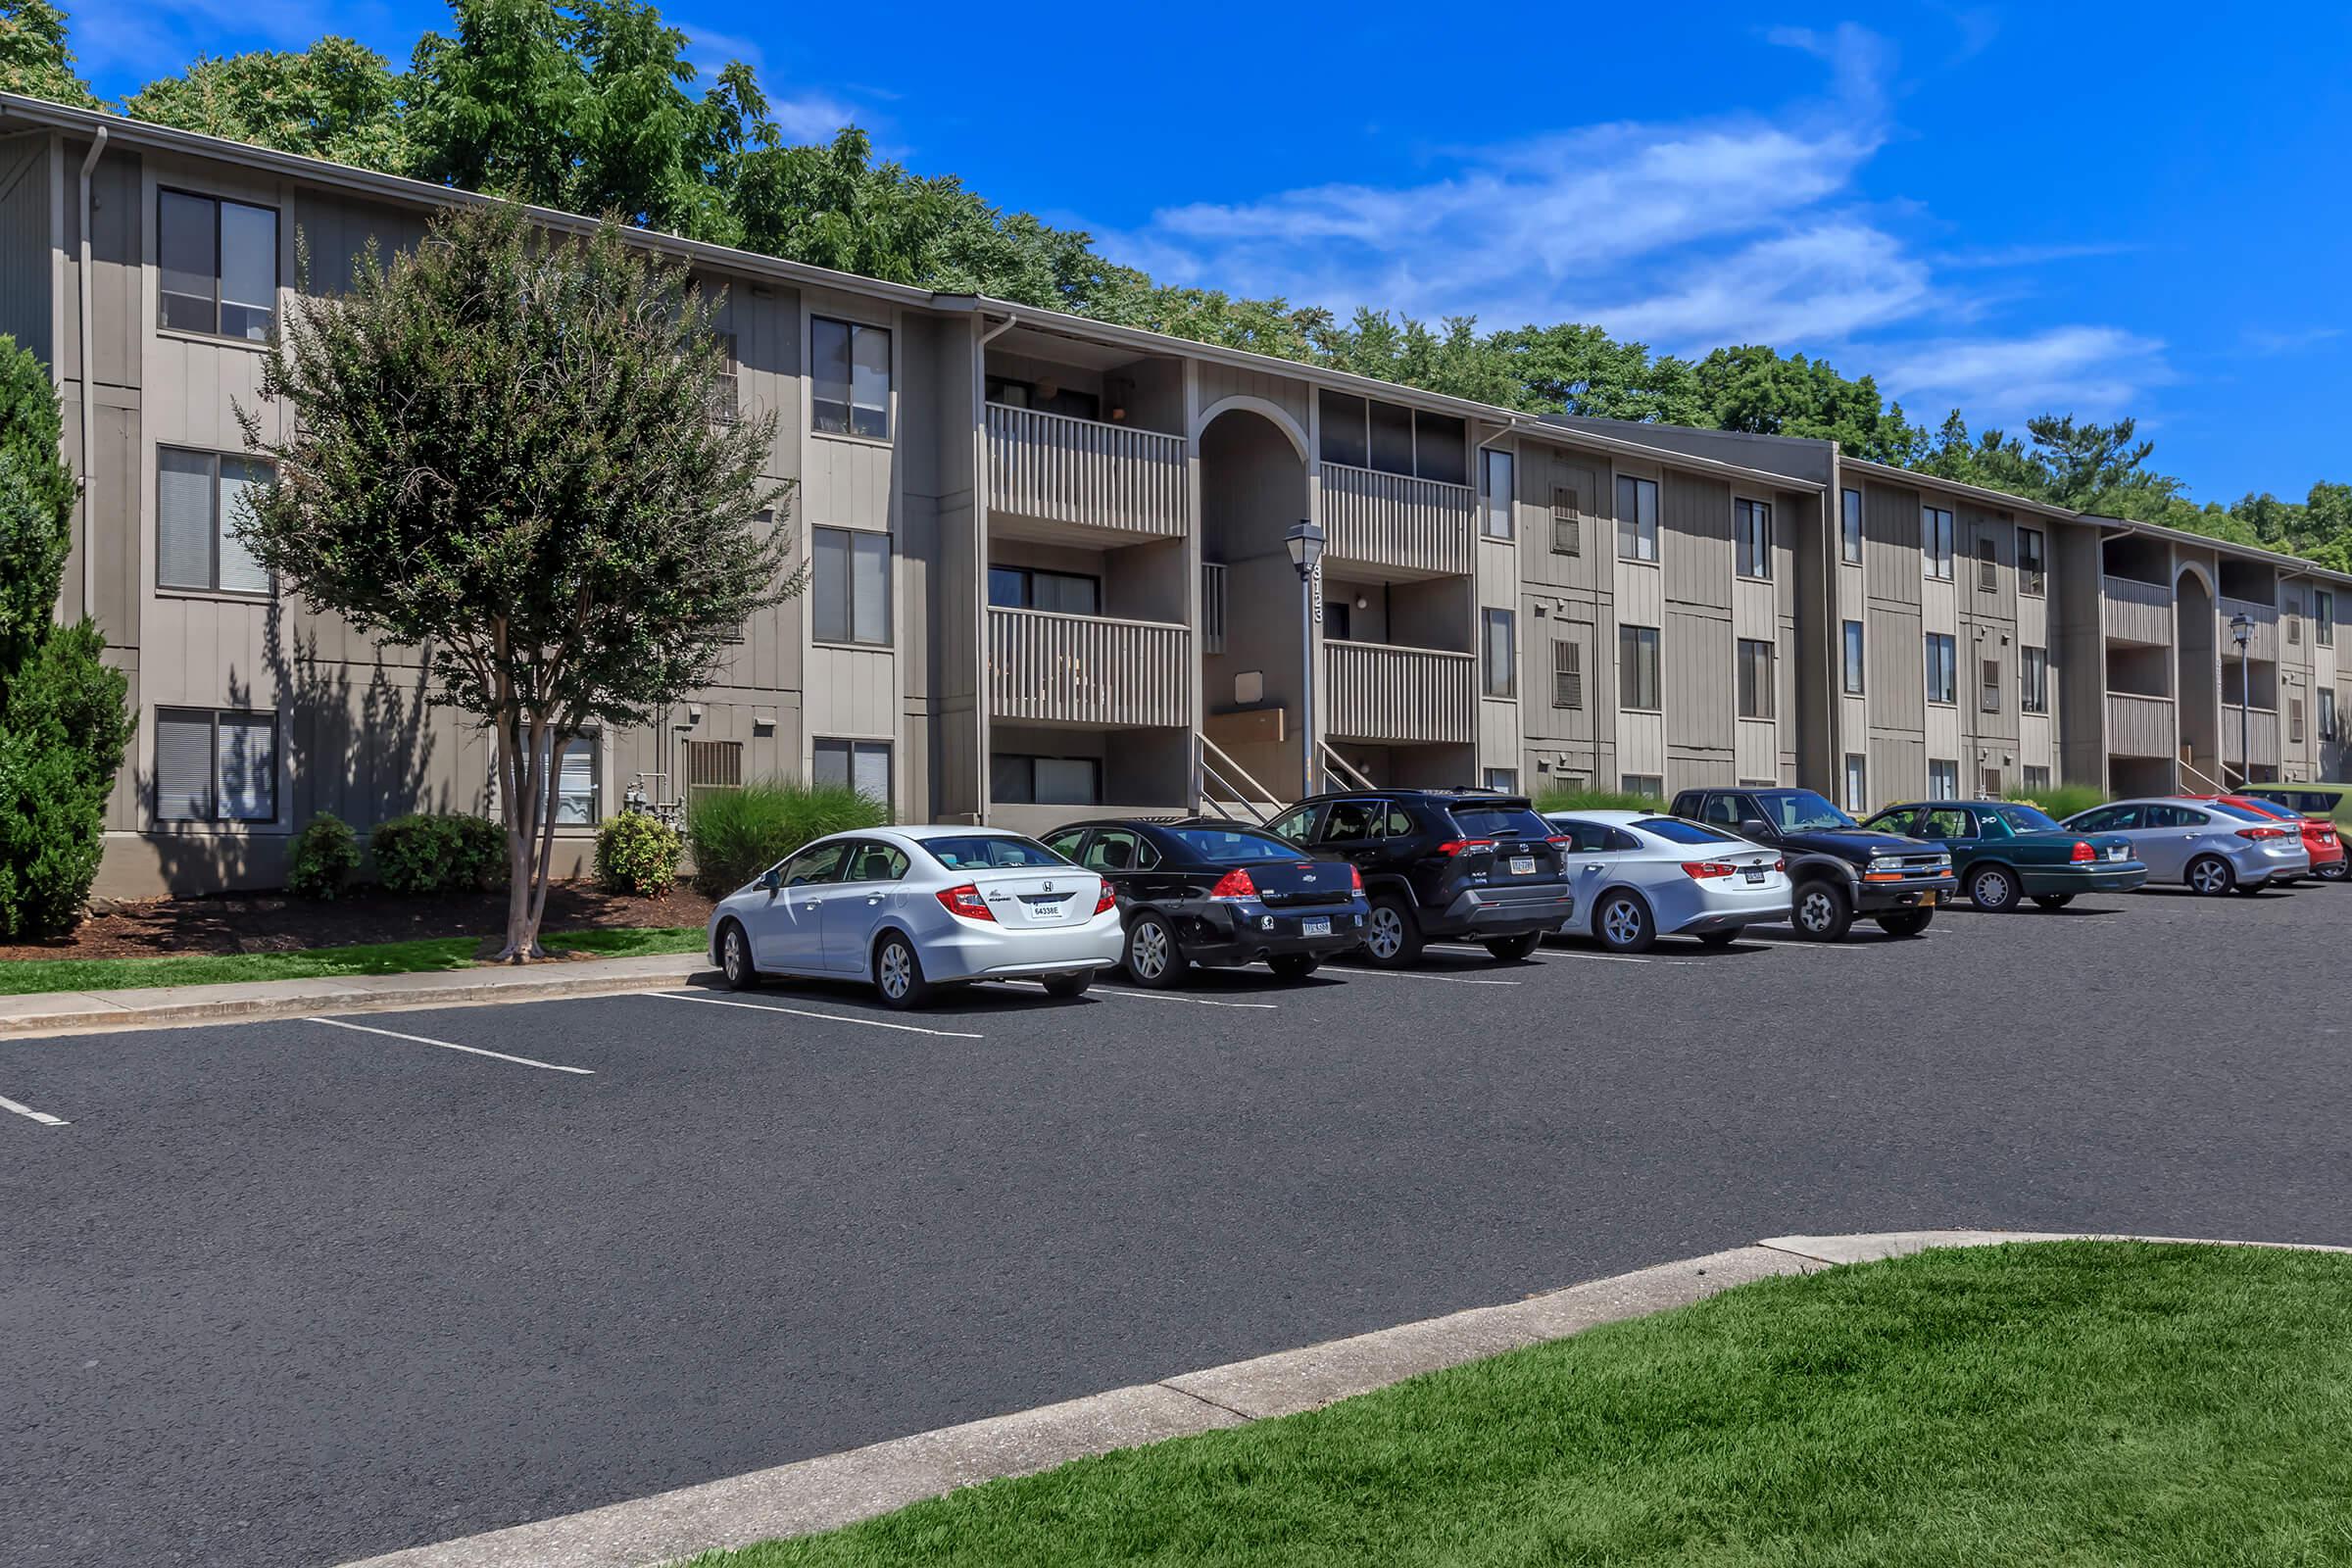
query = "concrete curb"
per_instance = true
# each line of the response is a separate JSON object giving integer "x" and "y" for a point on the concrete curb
{"x": 841, "y": 1489}
{"x": 60, "y": 1013}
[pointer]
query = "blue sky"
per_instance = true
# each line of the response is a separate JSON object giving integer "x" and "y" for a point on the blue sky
{"x": 2003, "y": 207}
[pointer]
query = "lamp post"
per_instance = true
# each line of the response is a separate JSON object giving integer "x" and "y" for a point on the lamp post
{"x": 1305, "y": 544}
{"x": 2241, "y": 630}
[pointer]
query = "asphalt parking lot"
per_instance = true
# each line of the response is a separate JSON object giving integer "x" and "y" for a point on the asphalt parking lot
{"x": 296, "y": 1292}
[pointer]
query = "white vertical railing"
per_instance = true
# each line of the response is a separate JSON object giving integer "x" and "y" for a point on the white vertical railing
{"x": 1390, "y": 519}
{"x": 1213, "y": 592}
{"x": 2262, "y": 642}
{"x": 2138, "y": 726}
{"x": 1059, "y": 468}
{"x": 2136, "y": 612}
{"x": 1089, "y": 669}
{"x": 1378, "y": 692}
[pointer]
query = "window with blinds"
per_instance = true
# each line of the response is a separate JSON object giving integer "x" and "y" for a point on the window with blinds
{"x": 1567, "y": 523}
{"x": 861, "y": 765}
{"x": 1755, "y": 678}
{"x": 1567, "y": 674}
{"x": 214, "y": 767}
{"x": 199, "y": 497}
{"x": 1989, "y": 685}
{"x": 578, "y": 801}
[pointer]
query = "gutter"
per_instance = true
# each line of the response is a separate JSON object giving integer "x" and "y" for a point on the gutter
{"x": 982, "y": 802}
{"x": 89, "y": 391}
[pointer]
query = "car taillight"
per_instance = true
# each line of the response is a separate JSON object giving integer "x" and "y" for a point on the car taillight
{"x": 2262, "y": 832}
{"x": 2082, "y": 851}
{"x": 966, "y": 902}
{"x": 1780, "y": 865}
{"x": 1356, "y": 880}
{"x": 1702, "y": 870}
{"x": 1234, "y": 884}
{"x": 1105, "y": 898}
{"x": 1457, "y": 846}
{"x": 1560, "y": 838}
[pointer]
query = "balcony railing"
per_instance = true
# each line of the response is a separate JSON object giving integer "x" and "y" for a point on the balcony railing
{"x": 1057, "y": 468}
{"x": 1401, "y": 695}
{"x": 2136, "y": 612}
{"x": 2262, "y": 642}
{"x": 2138, "y": 726}
{"x": 1388, "y": 519}
{"x": 2261, "y": 734}
{"x": 1089, "y": 669}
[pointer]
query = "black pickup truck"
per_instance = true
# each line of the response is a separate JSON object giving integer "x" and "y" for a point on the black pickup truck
{"x": 1838, "y": 869}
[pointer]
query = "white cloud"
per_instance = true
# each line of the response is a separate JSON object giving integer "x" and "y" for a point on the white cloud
{"x": 1825, "y": 283}
{"x": 2294, "y": 340}
{"x": 2089, "y": 370}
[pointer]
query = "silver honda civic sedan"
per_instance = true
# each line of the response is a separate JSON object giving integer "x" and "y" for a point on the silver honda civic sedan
{"x": 912, "y": 909}
{"x": 2211, "y": 845}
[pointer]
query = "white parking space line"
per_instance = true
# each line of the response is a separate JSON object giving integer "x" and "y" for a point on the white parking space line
{"x": 30, "y": 1114}
{"x": 1165, "y": 996}
{"x": 829, "y": 1017}
{"x": 1622, "y": 957}
{"x": 1418, "y": 974}
{"x": 451, "y": 1045}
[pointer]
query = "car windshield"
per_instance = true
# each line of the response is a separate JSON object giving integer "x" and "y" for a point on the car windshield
{"x": 1499, "y": 821}
{"x": 2267, "y": 808}
{"x": 1802, "y": 811}
{"x": 1225, "y": 845}
{"x": 1675, "y": 830}
{"x": 990, "y": 852}
{"x": 2023, "y": 818}
{"x": 2244, "y": 813}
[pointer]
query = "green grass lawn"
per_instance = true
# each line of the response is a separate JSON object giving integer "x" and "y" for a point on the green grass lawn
{"x": 25, "y": 976}
{"x": 2062, "y": 1402}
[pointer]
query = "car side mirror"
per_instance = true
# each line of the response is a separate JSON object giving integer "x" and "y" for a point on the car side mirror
{"x": 772, "y": 881}
{"x": 1755, "y": 827}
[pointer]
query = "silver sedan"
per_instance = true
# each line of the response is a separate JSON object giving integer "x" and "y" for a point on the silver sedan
{"x": 2211, "y": 845}
{"x": 1639, "y": 875}
{"x": 912, "y": 909}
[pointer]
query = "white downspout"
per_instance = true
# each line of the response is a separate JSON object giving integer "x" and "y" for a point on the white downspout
{"x": 89, "y": 393}
{"x": 981, "y": 698}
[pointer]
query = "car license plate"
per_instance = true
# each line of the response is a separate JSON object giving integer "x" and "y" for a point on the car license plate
{"x": 1755, "y": 873}
{"x": 1522, "y": 865}
{"x": 2116, "y": 853}
{"x": 1927, "y": 900}
{"x": 1314, "y": 928}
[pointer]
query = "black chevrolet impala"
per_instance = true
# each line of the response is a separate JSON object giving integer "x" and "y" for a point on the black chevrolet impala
{"x": 1213, "y": 891}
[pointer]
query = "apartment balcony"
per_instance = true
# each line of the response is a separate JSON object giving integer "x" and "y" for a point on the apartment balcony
{"x": 1400, "y": 695}
{"x": 2138, "y": 726}
{"x": 1048, "y": 669}
{"x": 2262, "y": 735}
{"x": 2263, "y": 642}
{"x": 1085, "y": 475}
{"x": 1400, "y": 527}
{"x": 2136, "y": 612}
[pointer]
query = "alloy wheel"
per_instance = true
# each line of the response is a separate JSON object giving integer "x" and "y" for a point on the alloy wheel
{"x": 2209, "y": 876}
{"x": 1388, "y": 933}
{"x": 1621, "y": 923}
{"x": 731, "y": 956}
{"x": 1148, "y": 950}
{"x": 896, "y": 970}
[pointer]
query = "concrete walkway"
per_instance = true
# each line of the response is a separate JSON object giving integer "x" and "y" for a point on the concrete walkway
{"x": 159, "y": 1007}
{"x": 841, "y": 1489}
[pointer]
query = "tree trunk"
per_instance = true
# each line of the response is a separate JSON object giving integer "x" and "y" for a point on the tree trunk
{"x": 524, "y": 762}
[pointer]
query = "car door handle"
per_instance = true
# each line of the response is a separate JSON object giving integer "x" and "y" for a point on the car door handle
{"x": 810, "y": 904}
{"x": 876, "y": 898}
{"x": 1594, "y": 866}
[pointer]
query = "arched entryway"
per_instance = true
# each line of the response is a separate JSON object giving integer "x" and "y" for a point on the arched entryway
{"x": 1253, "y": 492}
{"x": 2196, "y": 676}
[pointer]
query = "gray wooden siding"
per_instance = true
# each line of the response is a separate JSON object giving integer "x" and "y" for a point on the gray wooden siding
{"x": 1897, "y": 673}
{"x": 1388, "y": 520}
{"x": 1381, "y": 693}
{"x": 26, "y": 273}
{"x": 1891, "y": 542}
{"x": 1695, "y": 543}
{"x": 1696, "y": 671}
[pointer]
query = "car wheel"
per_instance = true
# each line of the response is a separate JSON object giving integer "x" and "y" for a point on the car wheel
{"x": 2332, "y": 873}
{"x": 1393, "y": 938}
{"x": 735, "y": 959}
{"x": 1994, "y": 889}
{"x": 1822, "y": 911}
{"x": 1152, "y": 958}
{"x": 1906, "y": 923}
{"x": 1623, "y": 925}
{"x": 1511, "y": 950}
{"x": 1719, "y": 939}
{"x": 1294, "y": 965}
{"x": 2053, "y": 901}
{"x": 898, "y": 973}
{"x": 1064, "y": 986}
{"x": 2211, "y": 875}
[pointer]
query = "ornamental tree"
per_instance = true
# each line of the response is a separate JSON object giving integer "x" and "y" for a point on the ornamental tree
{"x": 503, "y": 453}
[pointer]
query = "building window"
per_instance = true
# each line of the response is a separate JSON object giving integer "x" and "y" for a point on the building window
{"x": 1500, "y": 662}
{"x": 1649, "y": 786}
{"x": 2294, "y": 623}
{"x": 1752, "y": 537}
{"x": 2037, "y": 780}
{"x": 1857, "y": 784}
{"x": 2327, "y": 697}
{"x": 1989, "y": 685}
{"x": 1850, "y": 526}
{"x": 218, "y": 266}
{"x": 1988, "y": 567}
{"x": 1637, "y": 668}
{"x": 1390, "y": 438}
{"x": 1944, "y": 670}
{"x": 1935, "y": 542}
{"x": 1567, "y": 673}
{"x": 1853, "y": 659}
{"x": 199, "y": 497}
{"x": 2033, "y": 680}
{"x": 1755, "y": 678}
{"x": 1637, "y": 518}
{"x": 1019, "y": 779}
{"x": 848, "y": 590}
{"x": 1064, "y": 593}
{"x": 1505, "y": 779}
{"x": 215, "y": 766}
{"x": 848, "y": 377}
{"x": 861, "y": 765}
{"x": 726, "y": 386}
{"x": 1943, "y": 780}
{"x": 579, "y": 778}
{"x": 1495, "y": 478}
{"x": 1338, "y": 617}
{"x": 2032, "y": 567}
{"x": 1567, "y": 523}
{"x": 2294, "y": 721}
{"x": 2322, "y": 613}
{"x": 1050, "y": 398}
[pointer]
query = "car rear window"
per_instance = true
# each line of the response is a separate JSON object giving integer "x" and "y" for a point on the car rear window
{"x": 2244, "y": 813}
{"x": 1500, "y": 821}
{"x": 1676, "y": 831}
{"x": 1224, "y": 844}
{"x": 990, "y": 852}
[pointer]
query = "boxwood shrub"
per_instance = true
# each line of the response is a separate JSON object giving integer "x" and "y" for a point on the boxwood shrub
{"x": 638, "y": 854}
{"x": 437, "y": 854}
{"x": 325, "y": 852}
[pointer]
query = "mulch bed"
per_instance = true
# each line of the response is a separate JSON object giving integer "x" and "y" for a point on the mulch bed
{"x": 275, "y": 922}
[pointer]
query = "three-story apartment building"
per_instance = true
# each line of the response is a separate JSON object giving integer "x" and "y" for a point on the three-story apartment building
{"x": 1048, "y": 571}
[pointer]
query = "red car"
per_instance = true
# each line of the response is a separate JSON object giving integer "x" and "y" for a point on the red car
{"x": 2318, "y": 834}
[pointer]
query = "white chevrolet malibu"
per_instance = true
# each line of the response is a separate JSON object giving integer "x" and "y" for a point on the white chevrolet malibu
{"x": 912, "y": 909}
{"x": 1639, "y": 875}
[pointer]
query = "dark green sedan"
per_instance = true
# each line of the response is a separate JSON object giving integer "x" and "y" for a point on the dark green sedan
{"x": 2005, "y": 852}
